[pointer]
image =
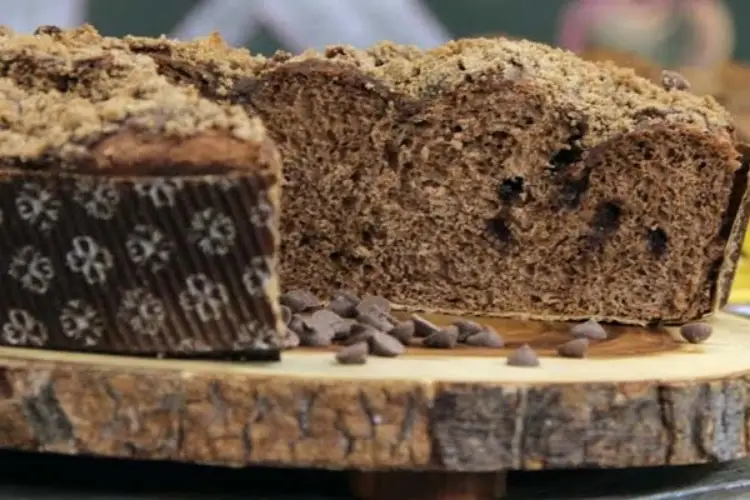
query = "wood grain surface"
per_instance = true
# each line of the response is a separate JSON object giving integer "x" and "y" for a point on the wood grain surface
{"x": 643, "y": 398}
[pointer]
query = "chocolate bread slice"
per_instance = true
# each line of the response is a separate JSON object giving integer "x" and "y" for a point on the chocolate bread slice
{"x": 486, "y": 176}
{"x": 139, "y": 221}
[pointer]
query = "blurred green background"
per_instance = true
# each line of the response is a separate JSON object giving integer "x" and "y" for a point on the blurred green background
{"x": 537, "y": 19}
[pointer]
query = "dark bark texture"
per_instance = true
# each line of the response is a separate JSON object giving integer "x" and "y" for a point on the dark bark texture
{"x": 222, "y": 417}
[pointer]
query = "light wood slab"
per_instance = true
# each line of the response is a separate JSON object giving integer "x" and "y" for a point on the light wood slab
{"x": 642, "y": 398}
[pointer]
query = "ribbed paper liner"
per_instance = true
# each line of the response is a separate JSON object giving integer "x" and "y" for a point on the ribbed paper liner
{"x": 175, "y": 266}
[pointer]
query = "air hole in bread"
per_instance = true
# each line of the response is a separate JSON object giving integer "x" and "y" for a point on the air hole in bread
{"x": 572, "y": 153}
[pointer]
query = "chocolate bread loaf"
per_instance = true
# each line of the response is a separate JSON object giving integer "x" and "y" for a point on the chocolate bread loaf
{"x": 487, "y": 176}
{"x": 137, "y": 217}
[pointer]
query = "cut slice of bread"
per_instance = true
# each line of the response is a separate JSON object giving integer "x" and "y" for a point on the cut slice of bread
{"x": 503, "y": 177}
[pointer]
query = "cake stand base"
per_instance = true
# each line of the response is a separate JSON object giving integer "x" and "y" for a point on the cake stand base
{"x": 440, "y": 424}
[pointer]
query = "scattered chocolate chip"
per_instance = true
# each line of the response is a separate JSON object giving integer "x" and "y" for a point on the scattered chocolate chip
{"x": 316, "y": 338}
{"x": 607, "y": 217}
{"x": 523, "y": 356}
{"x": 343, "y": 328}
{"x": 354, "y": 354}
{"x": 591, "y": 329}
{"x": 346, "y": 295}
{"x": 486, "y": 337}
{"x": 383, "y": 345}
{"x": 671, "y": 80}
{"x": 576, "y": 348}
{"x": 499, "y": 230}
{"x": 376, "y": 302}
{"x": 322, "y": 317}
{"x": 360, "y": 333}
{"x": 376, "y": 318}
{"x": 403, "y": 332}
{"x": 696, "y": 333}
{"x": 422, "y": 327}
{"x": 286, "y": 314}
{"x": 320, "y": 328}
{"x": 291, "y": 339}
{"x": 445, "y": 338}
{"x": 467, "y": 328}
{"x": 300, "y": 301}
{"x": 296, "y": 324}
{"x": 343, "y": 307}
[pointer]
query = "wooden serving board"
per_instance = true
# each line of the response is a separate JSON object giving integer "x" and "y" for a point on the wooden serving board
{"x": 642, "y": 398}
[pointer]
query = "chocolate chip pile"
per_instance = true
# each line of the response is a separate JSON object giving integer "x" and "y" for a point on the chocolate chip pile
{"x": 365, "y": 326}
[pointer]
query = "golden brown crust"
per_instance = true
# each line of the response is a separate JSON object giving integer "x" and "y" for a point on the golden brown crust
{"x": 567, "y": 80}
{"x": 63, "y": 126}
{"x": 213, "y": 153}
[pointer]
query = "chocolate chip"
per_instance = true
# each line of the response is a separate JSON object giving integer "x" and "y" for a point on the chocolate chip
{"x": 300, "y": 301}
{"x": 499, "y": 229}
{"x": 329, "y": 319}
{"x": 354, "y": 354}
{"x": 320, "y": 328}
{"x": 316, "y": 338}
{"x": 445, "y": 338}
{"x": 576, "y": 348}
{"x": 343, "y": 328}
{"x": 523, "y": 356}
{"x": 346, "y": 295}
{"x": 296, "y": 324}
{"x": 486, "y": 337}
{"x": 360, "y": 333}
{"x": 403, "y": 332}
{"x": 591, "y": 329}
{"x": 383, "y": 345}
{"x": 286, "y": 314}
{"x": 671, "y": 80}
{"x": 376, "y": 318}
{"x": 422, "y": 327}
{"x": 467, "y": 328}
{"x": 696, "y": 333}
{"x": 377, "y": 302}
{"x": 291, "y": 339}
{"x": 343, "y": 307}
{"x": 607, "y": 217}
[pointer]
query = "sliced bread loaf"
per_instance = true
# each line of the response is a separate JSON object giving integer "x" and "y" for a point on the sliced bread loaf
{"x": 488, "y": 176}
